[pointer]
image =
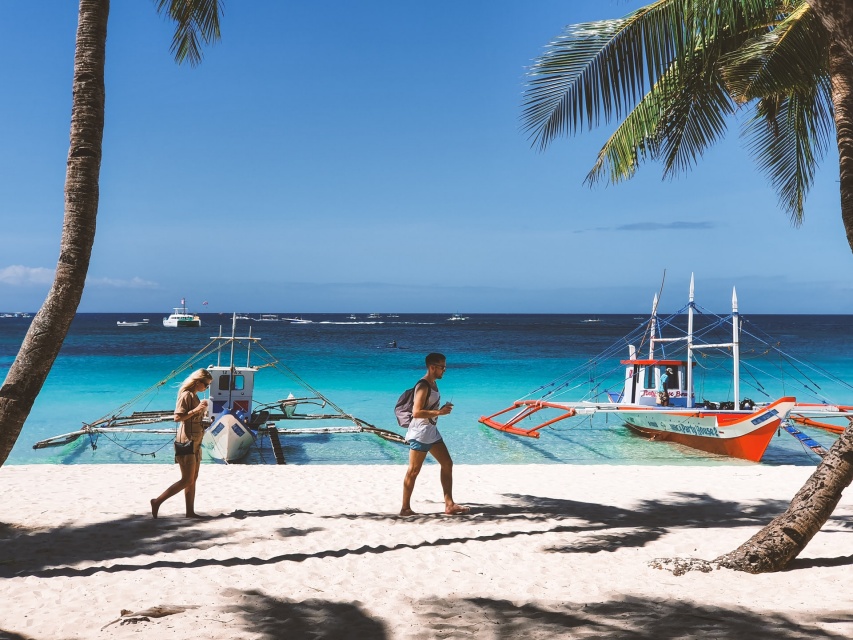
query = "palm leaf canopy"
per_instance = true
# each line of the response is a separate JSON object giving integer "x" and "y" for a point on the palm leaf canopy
{"x": 673, "y": 71}
{"x": 196, "y": 22}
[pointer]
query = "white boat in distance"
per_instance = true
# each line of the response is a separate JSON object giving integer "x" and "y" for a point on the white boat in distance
{"x": 135, "y": 323}
{"x": 456, "y": 316}
{"x": 182, "y": 318}
{"x": 267, "y": 317}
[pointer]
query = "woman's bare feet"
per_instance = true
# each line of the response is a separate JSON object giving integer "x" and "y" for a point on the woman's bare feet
{"x": 407, "y": 512}
{"x": 456, "y": 509}
{"x": 155, "y": 507}
{"x": 198, "y": 516}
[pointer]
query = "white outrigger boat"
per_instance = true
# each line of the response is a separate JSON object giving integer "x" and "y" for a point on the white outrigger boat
{"x": 236, "y": 420}
{"x": 739, "y": 428}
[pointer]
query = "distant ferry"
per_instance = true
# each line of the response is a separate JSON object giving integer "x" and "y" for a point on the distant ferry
{"x": 267, "y": 317}
{"x": 456, "y": 316}
{"x": 182, "y": 318}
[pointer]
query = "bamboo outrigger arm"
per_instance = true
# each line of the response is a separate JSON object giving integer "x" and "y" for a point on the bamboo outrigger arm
{"x": 805, "y": 414}
{"x": 527, "y": 409}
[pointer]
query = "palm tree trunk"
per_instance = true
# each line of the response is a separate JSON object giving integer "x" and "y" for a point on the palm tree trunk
{"x": 772, "y": 548}
{"x": 837, "y": 17}
{"x": 47, "y": 332}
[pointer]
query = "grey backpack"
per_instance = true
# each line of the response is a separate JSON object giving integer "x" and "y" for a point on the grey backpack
{"x": 405, "y": 405}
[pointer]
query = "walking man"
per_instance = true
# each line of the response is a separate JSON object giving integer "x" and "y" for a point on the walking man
{"x": 423, "y": 437}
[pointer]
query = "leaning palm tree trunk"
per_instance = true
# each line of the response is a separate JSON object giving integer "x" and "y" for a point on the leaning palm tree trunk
{"x": 772, "y": 548}
{"x": 48, "y": 330}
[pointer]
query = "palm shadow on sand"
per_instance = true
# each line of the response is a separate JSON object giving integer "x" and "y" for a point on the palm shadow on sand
{"x": 48, "y": 553}
{"x": 314, "y": 618}
{"x": 624, "y": 618}
{"x": 29, "y": 551}
{"x": 620, "y": 618}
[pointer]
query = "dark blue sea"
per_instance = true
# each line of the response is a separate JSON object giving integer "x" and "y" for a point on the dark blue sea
{"x": 492, "y": 360}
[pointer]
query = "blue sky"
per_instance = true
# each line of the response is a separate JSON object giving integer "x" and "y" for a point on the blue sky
{"x": 339, "y": 156}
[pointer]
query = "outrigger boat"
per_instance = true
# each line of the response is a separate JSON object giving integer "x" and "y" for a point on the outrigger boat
{"x": 237, "y": 421}
{"x": 739, "y": 428}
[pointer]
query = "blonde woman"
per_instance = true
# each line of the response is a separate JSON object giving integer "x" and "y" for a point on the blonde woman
{"x": 189, "y": 411}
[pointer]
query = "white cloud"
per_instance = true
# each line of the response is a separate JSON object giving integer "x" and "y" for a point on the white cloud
{"x": 118, "y": 283}
{"x": 20, "y": 276}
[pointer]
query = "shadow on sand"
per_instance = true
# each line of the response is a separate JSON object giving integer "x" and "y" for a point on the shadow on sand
{"x": 629, "y": 617}
{"x": 47, "y": 553}
{"x": 26, "y": 551}
{"x": 282, "y": 618}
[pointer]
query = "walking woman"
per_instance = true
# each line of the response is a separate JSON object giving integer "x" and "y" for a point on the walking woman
{"x": 190, "y": 412}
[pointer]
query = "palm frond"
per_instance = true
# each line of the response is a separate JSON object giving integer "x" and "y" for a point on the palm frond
{"x": 788, "y": 136}
{"x": 783, "y": 60}
{"x": 695, "y": 117}
{"x": 196, "y": 22}
{"x": 597, "y": 69}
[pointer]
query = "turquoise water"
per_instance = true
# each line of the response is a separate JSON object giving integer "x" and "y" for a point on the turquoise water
{"x": 492, "y": 360}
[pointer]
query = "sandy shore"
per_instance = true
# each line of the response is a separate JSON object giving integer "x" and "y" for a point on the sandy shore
{"x": 318, "y": 552}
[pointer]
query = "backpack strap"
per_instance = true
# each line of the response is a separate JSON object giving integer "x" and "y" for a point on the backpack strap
{"x": 429, "y": 391}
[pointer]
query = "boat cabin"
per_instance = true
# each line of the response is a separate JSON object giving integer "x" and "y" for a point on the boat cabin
{"x": 231, "y": 388}
{"x": 643, "y": 380}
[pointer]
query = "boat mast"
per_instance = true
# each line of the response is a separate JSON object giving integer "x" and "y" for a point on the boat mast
{"x": 690, "y": 346}
{"x": 736, "y": 347}
{"x": 652, "y": 328}
{"x": 233, "y": 339}
{"x": 249, "y": 349}
{"x": 219, "y": 348}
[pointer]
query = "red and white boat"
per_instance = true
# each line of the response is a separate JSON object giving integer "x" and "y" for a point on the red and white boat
{"x": 738, "y": 428}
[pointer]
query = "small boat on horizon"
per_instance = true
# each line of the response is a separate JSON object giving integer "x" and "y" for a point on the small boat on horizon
{"x": 456, "y": 317}
{"x": 133, "y": 323}
{"x": 267, "y": 317}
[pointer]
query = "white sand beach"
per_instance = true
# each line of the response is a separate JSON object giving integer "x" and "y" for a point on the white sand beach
{"x": 319, "y": 552}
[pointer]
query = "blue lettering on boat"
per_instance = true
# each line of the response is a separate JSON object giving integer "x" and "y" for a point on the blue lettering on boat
{"x": 695, "y": 430}
{"x": 765, "y": 417}
{"x": 237, "y": 429}
{"x": 218, "y": 428}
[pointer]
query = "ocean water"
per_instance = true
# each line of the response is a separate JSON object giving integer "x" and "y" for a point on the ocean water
{"x": 492, "y": 360}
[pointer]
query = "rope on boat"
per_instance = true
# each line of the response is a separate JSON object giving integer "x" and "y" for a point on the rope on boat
{"x": 189, "y": 363}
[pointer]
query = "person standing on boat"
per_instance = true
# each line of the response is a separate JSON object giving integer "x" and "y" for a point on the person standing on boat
{"x": 190, "y": 412}
{"x": 423, "y": 437}
{"x": 663, "y": 394}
